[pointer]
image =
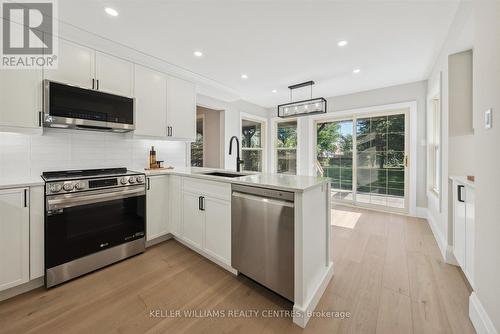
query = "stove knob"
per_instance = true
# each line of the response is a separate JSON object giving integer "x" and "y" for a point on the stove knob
{"x": 80, "y": 185}
{"x": 123, "y": 180}
{"x": 68, "y": 186}
{"x": 55, "y": 188}
{"x": 131, "y": 179}
{"x": 140, "y": 179}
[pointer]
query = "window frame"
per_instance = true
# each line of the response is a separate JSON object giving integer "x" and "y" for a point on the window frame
{"x": 202, "y": 119}
{"x": 274, "y": 143}
{"x": 434, "y": 146}
{"x": 263, "y": 148}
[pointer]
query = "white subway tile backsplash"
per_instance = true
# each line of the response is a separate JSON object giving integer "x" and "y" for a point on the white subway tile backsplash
{"x": 30, "y": 155}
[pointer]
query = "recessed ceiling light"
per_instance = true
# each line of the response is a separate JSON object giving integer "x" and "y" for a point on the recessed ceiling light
{"x": 244, "y": 76}
{"x": 342, "y": 43}
{"x": 198, "y": 53}
{"x": 111, "y": 11}
{"x": 274, "y": 91}
{"x": 356, "y": 71}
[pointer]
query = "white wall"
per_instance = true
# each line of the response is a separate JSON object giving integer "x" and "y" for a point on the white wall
{"x": 487, "y": 157}
{"x": 415, "y": 91}
{"x": 460, "y": 38}
{"x": 231, "y": 111}
{"x": 30, "y": 155}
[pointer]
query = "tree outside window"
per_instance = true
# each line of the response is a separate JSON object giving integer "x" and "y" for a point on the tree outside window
{"x": 251, "y": 145}
{"x": 286, "y": 147}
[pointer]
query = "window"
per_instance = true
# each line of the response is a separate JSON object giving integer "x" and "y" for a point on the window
{"x": 252, "y": 152}
{"x": 381, "y": 160}
{"x": 435, "y": 146}
{"x": 286, "y": 147}
{"x": 197, "y": 146}
{"x": 334, "y": 147}
{"x": 366, "y": 159}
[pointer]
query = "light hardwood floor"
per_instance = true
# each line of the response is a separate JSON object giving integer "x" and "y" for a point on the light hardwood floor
{"x": 388, "y": 274}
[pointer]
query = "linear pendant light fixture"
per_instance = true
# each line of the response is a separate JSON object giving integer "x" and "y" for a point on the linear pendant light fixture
{"x": 304, "y": 107}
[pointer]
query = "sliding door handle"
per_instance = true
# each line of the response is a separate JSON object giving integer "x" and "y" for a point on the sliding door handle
{"x": 25, "y": 198}
{"x": 93, "y": 83}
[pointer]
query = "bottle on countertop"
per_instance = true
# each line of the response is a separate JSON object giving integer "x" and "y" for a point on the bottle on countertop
{"x": 152, "y": 157}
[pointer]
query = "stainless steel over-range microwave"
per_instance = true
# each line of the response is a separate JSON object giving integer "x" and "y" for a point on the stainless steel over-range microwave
{"x": 66, "y": 106}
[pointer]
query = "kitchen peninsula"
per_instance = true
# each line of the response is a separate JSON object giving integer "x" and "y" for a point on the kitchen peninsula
{"x": 202, "y": 208}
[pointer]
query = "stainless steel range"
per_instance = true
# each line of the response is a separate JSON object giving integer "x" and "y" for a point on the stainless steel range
{"x": 93, "y": 218}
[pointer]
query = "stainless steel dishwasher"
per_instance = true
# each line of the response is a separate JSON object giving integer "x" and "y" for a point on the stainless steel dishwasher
{"x": 262, "y": 243}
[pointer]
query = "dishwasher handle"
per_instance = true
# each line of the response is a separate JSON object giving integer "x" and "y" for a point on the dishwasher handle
{"x": 263, "y": 199}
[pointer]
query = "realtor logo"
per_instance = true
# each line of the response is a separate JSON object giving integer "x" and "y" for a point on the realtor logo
{"x": 28, "y": 30}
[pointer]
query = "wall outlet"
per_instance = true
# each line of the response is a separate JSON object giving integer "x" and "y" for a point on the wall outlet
{"x": 488, "y": 119}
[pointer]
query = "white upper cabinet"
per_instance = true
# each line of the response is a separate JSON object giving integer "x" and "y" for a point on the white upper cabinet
{"x": 14, "y": 237}
{"x": 181, "y": 109}
{"x": 21, "y": 98}
{"x": 75, "y": 65}
{"x": 113, "y": 75}
{"x": 150, "y": 88}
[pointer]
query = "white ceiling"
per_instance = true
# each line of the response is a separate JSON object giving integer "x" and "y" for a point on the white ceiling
{"x": 278, "y": 43}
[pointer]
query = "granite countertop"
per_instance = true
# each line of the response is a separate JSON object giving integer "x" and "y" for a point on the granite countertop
{"x": 274, "y": 181}
{"x": 18, "y": 182}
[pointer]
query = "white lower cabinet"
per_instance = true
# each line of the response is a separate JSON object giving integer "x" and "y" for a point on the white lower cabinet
{"x": 206, "y": 218}
{"x": 37, "y": 228}
{"x": 193, "y": 219}
{"x": 14, "y": 237}
{"x": 157, "y": 214}
{"x": 218, "y": 229}
{"x": 463, "y": 228}
{"x": 175, "y": 205}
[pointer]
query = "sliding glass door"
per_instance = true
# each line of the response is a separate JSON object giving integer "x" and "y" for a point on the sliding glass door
{"x": 366, "y": 158}
{"x": 334, "y": 149}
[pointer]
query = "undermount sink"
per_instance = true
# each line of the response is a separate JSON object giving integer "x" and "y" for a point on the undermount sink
{"x": 222, "y": 174}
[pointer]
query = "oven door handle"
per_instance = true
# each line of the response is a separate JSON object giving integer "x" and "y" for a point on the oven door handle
{"x": 62, "y": 203}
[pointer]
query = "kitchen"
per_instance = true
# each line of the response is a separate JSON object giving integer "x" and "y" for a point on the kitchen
{"x": 154, "y": 178}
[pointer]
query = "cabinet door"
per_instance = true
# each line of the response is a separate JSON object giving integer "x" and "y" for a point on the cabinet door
{"x": 218, "y": 229}
{"x": 21, "y": 96}
{"x": 37, "y": 228}
{"x": 150, "y": 89}
{"x": 175, "y": 196}
{"x": 75, "y": 65}
{"x": 181, "y": 109}
{"x": 115, "y": 75}
{"x": 156, "y": 207}
{"x": 459, "y": 194}
{"x": 192, "y": 219}
{"x": 14, "y": 238}
{"x": 469, "y": 234}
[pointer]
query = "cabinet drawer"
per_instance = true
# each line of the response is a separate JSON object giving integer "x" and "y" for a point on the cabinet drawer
{"x": 214, "y": 189}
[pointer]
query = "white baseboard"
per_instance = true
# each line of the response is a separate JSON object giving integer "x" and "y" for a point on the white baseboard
{"x": 444, "y": 248}
{"x": 421, "y": 212}
{"x": 209, "y": 256}
{"x": 20, "y": 289}
{"x": 480, "y": 319}
{"x": 303, "y": 314}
